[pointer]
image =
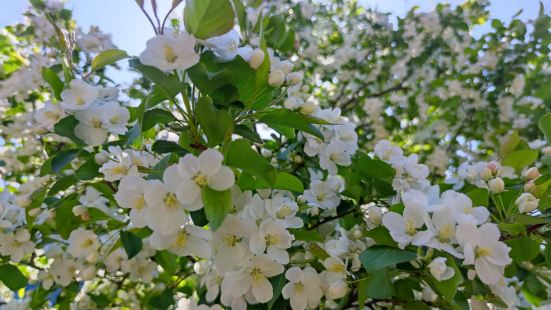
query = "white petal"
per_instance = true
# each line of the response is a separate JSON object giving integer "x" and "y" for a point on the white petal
{"x": 210, "y": 161}
{"x": 262, "y": 290}
{"x": 222, "y": 180}
{"x": 257, "y": 243}
{"x": 487, "y": 272}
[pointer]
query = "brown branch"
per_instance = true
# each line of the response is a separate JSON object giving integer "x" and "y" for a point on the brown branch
{"x": 331, "y": 218}
{"x": 345, "y": 106}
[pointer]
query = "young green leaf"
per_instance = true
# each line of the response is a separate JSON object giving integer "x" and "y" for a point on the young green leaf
{"x": 50, "y": 76}
{"x": 208, "y": 18}
{"x": 378, "y": 257}
{"x": 63, "y": 158}
{"x": 544, "y": 124}
{"x": 217, "y": 205}
{"x": 132, "y": 244}
{"x": 12, "y": 277}
{"x": 216, "y": 124}
{"x": 288, "y": 118}
{"x": 107, "y": 57}
{"x": 241, "y": 155}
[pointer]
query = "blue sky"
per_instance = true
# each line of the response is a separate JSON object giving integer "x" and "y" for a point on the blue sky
{"x": 130, "y": 29}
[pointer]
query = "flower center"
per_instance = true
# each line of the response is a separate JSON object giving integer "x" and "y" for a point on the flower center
{"x": 231, "y": 240}
{"x": 181, "y": 240}
{"x": 483, "y": 251}
{"x": 119, "y": 170}
{"x": 336, "y": 268}
{"x": 410, "y": 228}
{"x": 200, "y": 179}
{"x": 87, "y": 243}
{"x": 80, "y": 100}
{"x": 256, "y": 274}
{"x": 272, "y": 239}
{"x": 284, "y": 212}
{"x": 299, "y": 287}
{"x": 140, "y": 203}
{"x": 170, "y": 56}
{"x": 321, "y": 196}
{"x": 170, "y": 201}
{"x": 445, "y": 233}
{"x": 51, "y": 115}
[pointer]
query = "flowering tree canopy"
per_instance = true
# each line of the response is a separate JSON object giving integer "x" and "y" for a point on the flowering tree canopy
{"x": 277, "y": 154}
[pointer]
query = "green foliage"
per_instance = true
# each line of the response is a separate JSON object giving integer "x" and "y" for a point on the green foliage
{"x": 378, "y": 257}
{"x": 132, "y": 244}
{"x": 12, "y": 277}
{"x": 107, "y": 57}
{"x": 241, "y": 155}
{"x": 208, "y": 18}
{"x": 217, "y": 205}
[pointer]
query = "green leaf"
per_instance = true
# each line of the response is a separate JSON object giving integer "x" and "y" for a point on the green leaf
{"x": 156, "y": 116}
{"x": 523, "y": 249}
{"x": 284, "y": 181}
{"x": 520, "y": 159}
{"x": 278, "y": 282}
{"x": 447, "y": 288}
{"x": 63, "y": 158}
{"x": 380, "y": 284}
{"x": 167, "y": 260}
{"x": 107, "y": 57}
{"x": 513, "y": 229}
{"x": 544, "y": 124}
{"x": 88, "y": 170}
{"x": 217, "y": 205}
{"x": 64, "y": 218}
{"x": 378, "y": 257}
{"x": 132, "y": 244}
{"x": 241, "y": 155}
{"x": 164, "y": 146}
{"x": 216, "y": 124}
{"x": 50, "y": 76}
{"x": 287, "y": 181}
{"x": 381, "y": 236}
{"x": 373, "y": 168}
{"x": 479, "y": 196}
{"x": 307, "y": 235}
{"x": 169, "y": 84}
{"x": 157, "y": 172}
{"x": 62, "y": 184}
{"x": 12, "y": 277}
{"x": 247, "y": 133}
{"x": 208, "y": 18}
{"x": 66, "y": 128}
{"x": 509, "y": 144}
{"x": 288, "y": 118}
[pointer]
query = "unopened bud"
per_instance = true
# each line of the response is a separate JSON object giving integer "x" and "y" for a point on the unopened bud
{"x": 308, "y": 108}
{"x": 337, "y": 289}
{"x": 257, "y": 58}
{"x": 297, "y": 159}
{"x": 529, "y": 186}
{"x": 285, "y": 66}
{"x": 266, "y": 153}
{"x": 294, "y": 78}
{"x": 276, "y": 78}
{"x": 532, "y": 173}
{"x": 527, "y": 203}
{"x": 492, "y": 167}
{"x": 496, "y": 185}
{"x": 486, "y": 174}
{"x": 546, "y": 150}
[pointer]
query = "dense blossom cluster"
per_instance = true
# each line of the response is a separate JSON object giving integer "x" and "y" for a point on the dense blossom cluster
{"x": 283, "y": 154}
